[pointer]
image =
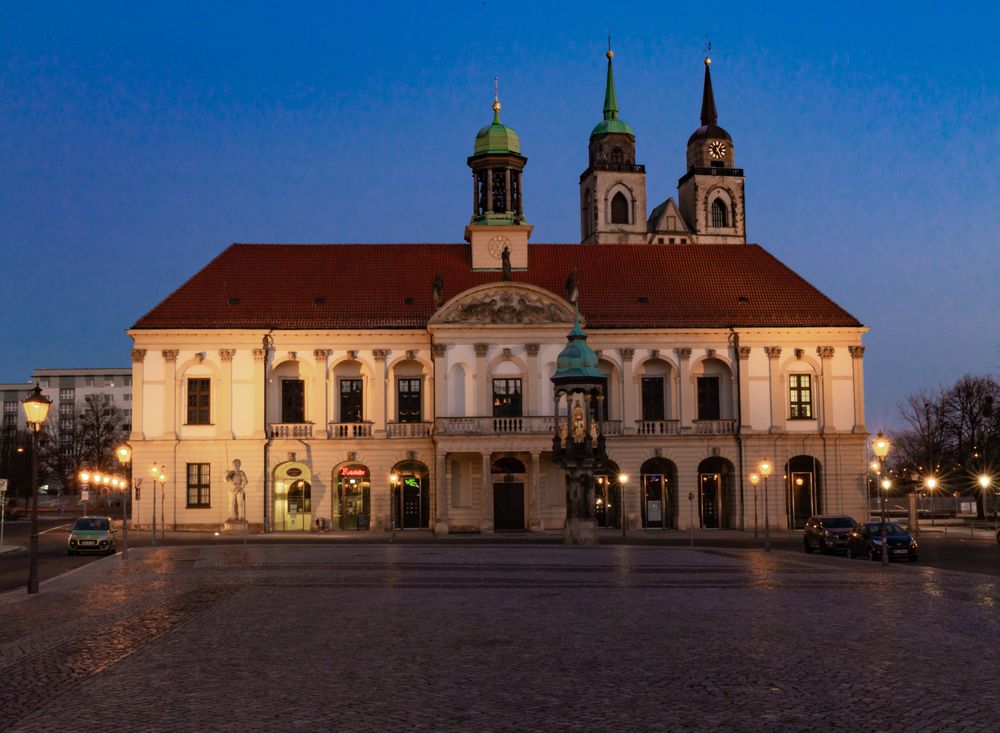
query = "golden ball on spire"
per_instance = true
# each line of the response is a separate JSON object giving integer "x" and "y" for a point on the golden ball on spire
{"x": 610, "y": 54}
{"x": 496, "y": 105}
{"x": 708, "y": 61}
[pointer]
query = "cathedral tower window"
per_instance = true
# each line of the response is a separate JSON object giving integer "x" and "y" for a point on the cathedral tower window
{"x": 619, "y": 209}
{"x": 720, "y": 214}
{"x": 617, "y": 156}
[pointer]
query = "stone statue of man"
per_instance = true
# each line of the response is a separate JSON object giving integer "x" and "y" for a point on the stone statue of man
{"x": 237, "y": 481}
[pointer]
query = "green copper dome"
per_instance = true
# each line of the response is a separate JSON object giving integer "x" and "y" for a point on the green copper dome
{"x": 611, "y": 123}
{"x": 577, "y": 361}
{"x": 496, "y": 137}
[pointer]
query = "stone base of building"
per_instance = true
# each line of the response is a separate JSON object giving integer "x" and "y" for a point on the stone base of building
{"x": 441, "y": 527}
{"x": 580, "y": 532}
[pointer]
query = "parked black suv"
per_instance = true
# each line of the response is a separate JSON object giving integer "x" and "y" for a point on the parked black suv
{"x": 827, "y": 533}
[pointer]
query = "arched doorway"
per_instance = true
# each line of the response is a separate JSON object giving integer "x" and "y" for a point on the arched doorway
{"x": 659, "y": 494}
{"x": 508, "y": 494}
{"x": 803, "y": 489}
{"x": 716, "y": 504}
{"x": 607, "y": 496}
{"x": 411, "y": 495}
{"x": 292, "y": 497}
{"x": 352, "y": 504}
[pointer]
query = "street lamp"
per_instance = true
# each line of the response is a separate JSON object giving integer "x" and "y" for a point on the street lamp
{"x": 765, "y": 468}
{"x": 622, "y": 480}
{"x": 124, "y": 454}
{"x": 393, "y": 498}
{"x": 755, "y": 479}
{"x": 880, "y": 447}
{"x": 984, "y": 487}
{"x": 36, "y": 409}
{"x": 157, "y": 473}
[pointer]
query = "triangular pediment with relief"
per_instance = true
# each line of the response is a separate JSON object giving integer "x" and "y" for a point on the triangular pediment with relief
{"x": 504, "y": 303}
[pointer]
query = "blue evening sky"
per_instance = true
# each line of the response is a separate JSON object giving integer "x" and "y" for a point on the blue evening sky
{"x": 137, "y": 141}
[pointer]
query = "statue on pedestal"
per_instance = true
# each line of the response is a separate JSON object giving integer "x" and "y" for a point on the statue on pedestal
{"x": 237, "y": 481}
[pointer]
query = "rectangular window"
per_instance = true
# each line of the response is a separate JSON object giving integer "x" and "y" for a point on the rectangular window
{"x": 199, "y": 401}
{"x": 88, "y": 381}
{"x": 409, "y": 403}
{"x": 507, "y": 398}
{"x": 293, "y": 400}
{"x": 708, "y": 398}
{"x": 127, "y": 381}
{"x": 67, "y": 395}
{"x": 67, "y": 408}
{"x": 9, "y": 408}
{"x": 109, "y": 381}
{"x": 198, "y": 485}
{"x": 351, "y": 402}
{"x": 800, "y": 396}
{"x": 652, "y": 398}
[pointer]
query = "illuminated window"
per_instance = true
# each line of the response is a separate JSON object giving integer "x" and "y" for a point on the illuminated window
{"x": 199, "y": 485}
{"x": 800, "y": 396}
{"x": 199, "y": 401}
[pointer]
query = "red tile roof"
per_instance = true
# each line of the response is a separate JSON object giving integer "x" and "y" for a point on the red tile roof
{"x": 365, "y": 286}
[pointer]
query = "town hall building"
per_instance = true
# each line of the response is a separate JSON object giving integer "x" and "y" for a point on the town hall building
{"x": 262, "y": 382}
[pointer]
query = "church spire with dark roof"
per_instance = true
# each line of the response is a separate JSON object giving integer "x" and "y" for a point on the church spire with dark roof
{"x": 708, "y": 114}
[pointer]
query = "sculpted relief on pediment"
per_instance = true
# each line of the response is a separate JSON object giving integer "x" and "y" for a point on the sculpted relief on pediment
{"x": 505, "y": 305}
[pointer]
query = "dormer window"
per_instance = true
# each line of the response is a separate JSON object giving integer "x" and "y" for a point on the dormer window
{"x": 720, "y": 214}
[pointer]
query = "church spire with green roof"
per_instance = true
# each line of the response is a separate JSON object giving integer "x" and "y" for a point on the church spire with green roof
{"x": 611, "y": 123}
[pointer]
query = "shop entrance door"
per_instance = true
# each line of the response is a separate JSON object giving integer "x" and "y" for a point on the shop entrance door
{"x": 508, "y": 506}
{"x": 653, "y": 502}
{"x": 711, "y": 491}
{"x": 411, "y": 503}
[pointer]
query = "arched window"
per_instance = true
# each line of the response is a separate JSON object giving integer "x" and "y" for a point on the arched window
{"x": 619, "y": 209}
{"x": 586, "y": 212}
{"x": 720, "y": 214}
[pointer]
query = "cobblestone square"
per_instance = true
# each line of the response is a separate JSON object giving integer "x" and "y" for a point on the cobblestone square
{"x": 452, "y": 637}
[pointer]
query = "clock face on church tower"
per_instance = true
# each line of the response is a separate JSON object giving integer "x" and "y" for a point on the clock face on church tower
{"x": 717, "y": 149}
{"x": 497, "y": 245}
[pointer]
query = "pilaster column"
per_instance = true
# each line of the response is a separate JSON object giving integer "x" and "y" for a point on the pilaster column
{"x": 171, "y": 392}
{"x": 138, "y": 391}
{"x": 777, "y": 389}
{"x": 629, "y": 395}
{"x": 535, "y": 522}
{"x": 486, "y": 505}
{"x": 825, "y": 416}
{"x": 440, "y": 381}
{"x": 380, "y": 384}
{"x": 533, "y": 381}
{"x": 858, "y": 374}
{"x": 322, "y": 357}
{"x": 260, "y": 393}
{"x": 685, "y": 411}
{"x": 225, "y": 407}
{"x": 442, "y": 491}
{"x": 744, "y": 357}
{"x": 483, "y": 393}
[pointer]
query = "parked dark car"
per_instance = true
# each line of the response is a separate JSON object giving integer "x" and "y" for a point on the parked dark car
{"x": 827, "y": 533}
{"x": 865, "y": 541}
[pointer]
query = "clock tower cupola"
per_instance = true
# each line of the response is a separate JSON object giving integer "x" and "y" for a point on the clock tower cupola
{"x": 497, "y": 224}
{"x": 711, "y": 192}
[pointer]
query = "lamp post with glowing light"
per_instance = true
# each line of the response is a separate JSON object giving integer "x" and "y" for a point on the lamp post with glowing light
{"x": 765, "y": 471}
{"x": 158, "y": 476}
{"x": 622, "y": 480}
{"x": 931, "y": 483}
{"x": 984, "y": 482}
{"x": 880, "y": 447}
{"x": 755, "y": 479}
{"x": 36, "y": 409}
{"x": 124, "y": 454}
{"x": 393, "y": 498}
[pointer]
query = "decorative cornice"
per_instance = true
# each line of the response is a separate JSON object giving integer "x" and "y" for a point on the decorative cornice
{"x": 322, "y": 354}
{"x": 825, "y": 352}
{"x": 531, "y": 349}
{"x": 773, "y": 352}
{"x": 626, "y": 354}
{"x": 438, "y": 350}
{"x": 259, "y": 354}
{"x": 506, "y": 302}
{"x": 744, "y": 353}
{"x": 683, "y": 354}
{"x": 227, "y": 354}
{"x": 481, "y": 349}
{"x": 138, "y": 355}
{"x": 381, "y": 354}
{"x": 856, "y": 351}
{"x": 170, "y": 354}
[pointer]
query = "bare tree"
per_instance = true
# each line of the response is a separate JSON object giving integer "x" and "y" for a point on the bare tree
{"x": 86, "y": 441}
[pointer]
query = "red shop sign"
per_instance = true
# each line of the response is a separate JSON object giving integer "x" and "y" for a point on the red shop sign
{"x": 353, "y": 471}
{"x": 294, "y": 472}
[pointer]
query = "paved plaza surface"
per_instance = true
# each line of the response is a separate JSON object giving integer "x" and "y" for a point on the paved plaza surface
{"x": 505, "y": 637}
